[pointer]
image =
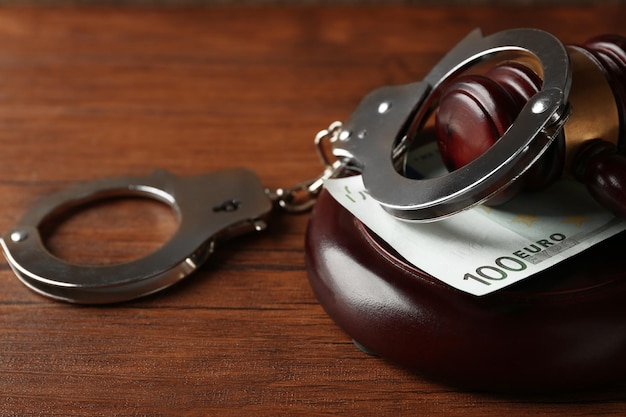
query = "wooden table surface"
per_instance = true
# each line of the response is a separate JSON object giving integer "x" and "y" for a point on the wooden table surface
{"x": 88, "y": 93}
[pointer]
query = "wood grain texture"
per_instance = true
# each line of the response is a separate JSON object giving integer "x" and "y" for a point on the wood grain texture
{"x": 87, "y": 93}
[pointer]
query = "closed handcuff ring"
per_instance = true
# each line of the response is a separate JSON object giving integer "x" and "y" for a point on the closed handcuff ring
{"x": 209, "y": 207}
{"x": 373, "y": 137}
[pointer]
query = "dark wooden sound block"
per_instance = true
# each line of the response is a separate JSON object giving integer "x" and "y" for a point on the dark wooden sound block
{"x": 560, "y": 330}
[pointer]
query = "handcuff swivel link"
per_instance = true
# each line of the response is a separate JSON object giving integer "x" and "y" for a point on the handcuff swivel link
{"x": 301, "y": 197}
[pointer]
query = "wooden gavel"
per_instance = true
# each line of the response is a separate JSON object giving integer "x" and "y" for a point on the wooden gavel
{"x": 475, "y": 110}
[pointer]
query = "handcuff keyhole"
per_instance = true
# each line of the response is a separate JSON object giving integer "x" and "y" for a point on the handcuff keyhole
{"x": 227, "y": 206}
{"x": 109, "y": 231}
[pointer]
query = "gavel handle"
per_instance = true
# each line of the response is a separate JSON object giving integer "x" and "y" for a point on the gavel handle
{"x": 602, "y": 169}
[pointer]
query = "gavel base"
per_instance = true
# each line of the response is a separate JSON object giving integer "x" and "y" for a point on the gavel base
{"x": 563, "y": 329}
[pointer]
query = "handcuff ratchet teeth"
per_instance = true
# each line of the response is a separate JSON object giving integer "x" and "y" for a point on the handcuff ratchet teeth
{"x": 375, "y": 133}
{"x": 209, "y": 208}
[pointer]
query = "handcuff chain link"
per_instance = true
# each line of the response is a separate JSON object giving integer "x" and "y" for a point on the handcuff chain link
{"x": 301, "y": 197}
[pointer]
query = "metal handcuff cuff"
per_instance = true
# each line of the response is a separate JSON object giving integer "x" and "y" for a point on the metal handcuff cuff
{"x": 224, "y": 204}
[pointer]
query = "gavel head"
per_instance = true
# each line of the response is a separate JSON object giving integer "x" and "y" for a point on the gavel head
{"x": 475, "y": 110}
{"x": 573, "y": 122}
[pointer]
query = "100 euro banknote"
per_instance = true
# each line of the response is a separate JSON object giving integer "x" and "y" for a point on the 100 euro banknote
{"x": 484, "y": 249}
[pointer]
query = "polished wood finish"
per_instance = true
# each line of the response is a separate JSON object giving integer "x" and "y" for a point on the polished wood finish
{"x": 603, "y": 171}
{"x": 610, "y": 51}
{"x": 87, "y": 93}
{"x": 475, "y": 110}
{"x": 538, "y": 336}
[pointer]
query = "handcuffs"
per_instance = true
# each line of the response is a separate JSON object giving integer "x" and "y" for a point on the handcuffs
{"x": 370, "y": 142}
{"x": 522, "y": 339}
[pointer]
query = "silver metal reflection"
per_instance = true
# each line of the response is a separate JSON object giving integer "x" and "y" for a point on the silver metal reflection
{"x": 209, "y": 207}
{"x": 538, "y": 124}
